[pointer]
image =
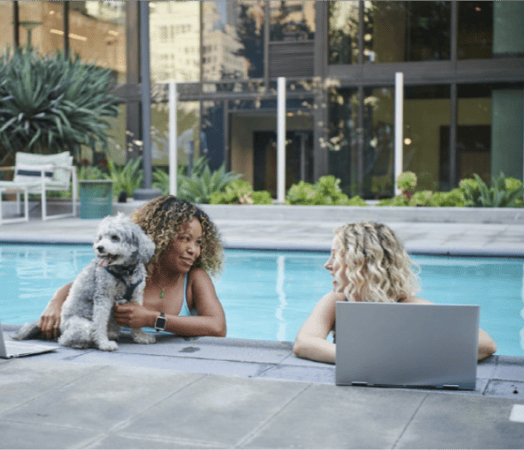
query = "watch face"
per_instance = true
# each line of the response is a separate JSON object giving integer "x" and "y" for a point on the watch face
{"x": 160, "y": 323}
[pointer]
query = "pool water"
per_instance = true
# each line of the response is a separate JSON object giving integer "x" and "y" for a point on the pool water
{"x": 268, "y": 295}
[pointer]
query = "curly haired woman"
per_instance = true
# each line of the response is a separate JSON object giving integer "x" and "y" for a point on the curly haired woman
{"x": 368, "y": 264}
{"x": 178, "y": 287}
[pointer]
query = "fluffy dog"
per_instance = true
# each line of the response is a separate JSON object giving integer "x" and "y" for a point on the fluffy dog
{"x": 117, "y": 275}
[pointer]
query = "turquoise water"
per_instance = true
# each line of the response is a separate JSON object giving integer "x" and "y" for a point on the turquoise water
{"x": 268, "y": 295}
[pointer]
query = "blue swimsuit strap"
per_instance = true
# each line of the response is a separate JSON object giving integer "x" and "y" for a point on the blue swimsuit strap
{"x": 184, "y": 311}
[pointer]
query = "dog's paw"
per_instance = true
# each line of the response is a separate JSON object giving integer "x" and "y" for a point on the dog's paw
{"x": 145, "y": 338}
{"x": 109, "y": 346}
{"x": 113, "y": 335}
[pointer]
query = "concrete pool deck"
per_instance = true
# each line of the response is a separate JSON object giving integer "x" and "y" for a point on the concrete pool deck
{"x": 229, "y": 393}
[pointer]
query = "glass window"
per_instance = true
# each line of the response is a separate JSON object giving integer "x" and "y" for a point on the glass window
{"x": 342, "y": 143}
{"x": 292, "y": 20}
{"x": 343, "y": 32}
{"x": 490, "y": 29}
{"x": 174, "y": 46}
{"x": 187, "y": 119}
{"x": 41, "y": 25}
{"x": 97, "y": 34}
{"x": 426, "y": 135}
{"x": 406, "y": 31}
{"x": 379, "y": 126}
{"x": 233, "y": 41}
{"x": 6, "y": 33}
{"x": 489, "y": 131}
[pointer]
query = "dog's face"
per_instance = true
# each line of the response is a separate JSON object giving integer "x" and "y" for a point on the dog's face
{"x": 121, "y": 242}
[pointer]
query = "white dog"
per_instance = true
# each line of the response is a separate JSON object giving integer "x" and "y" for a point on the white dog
{"x": 117, "y": 275}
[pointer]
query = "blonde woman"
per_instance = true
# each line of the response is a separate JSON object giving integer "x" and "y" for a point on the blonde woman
{"x": 368, "y": 264}
{"x": 179, "y": 295}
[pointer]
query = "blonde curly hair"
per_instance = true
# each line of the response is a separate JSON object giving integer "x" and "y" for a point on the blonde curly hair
{"x": 162, "y": 219}
{"x": 375, "y": 263}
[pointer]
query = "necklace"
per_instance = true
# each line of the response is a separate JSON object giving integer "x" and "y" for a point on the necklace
{"x": 163, "y": 290}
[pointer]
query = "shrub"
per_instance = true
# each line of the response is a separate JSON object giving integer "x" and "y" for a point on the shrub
{"x": 502, "y": 193}
{"x": 454, "y": 197}
{"x": 398, "y": 200}
{"x": 421, "y": 198}
{"x": 407, "y": 182}
{"x": 241, "y": 192}
{"x": 326, "y": 191}
{"x": 304, "y": 193}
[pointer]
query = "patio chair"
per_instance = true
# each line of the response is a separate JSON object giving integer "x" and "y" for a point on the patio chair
{"x": 38, "y": 174}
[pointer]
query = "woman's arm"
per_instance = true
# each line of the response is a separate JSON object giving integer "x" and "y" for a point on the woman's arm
{"x": 311, "y": 342}
{"x": 50, "y": 318}
{"x": 487, "y": 345}
{"x": 210, "y": 321}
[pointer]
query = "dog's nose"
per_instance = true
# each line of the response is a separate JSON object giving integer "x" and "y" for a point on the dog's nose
{"x": 100, "y": 248}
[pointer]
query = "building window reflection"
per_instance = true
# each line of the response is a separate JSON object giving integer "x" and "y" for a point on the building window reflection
{"x": 407, "y": 31}
{"x": 97, "y": 34}
{"x": 225, "y": 52}
{"x": 490, "y": 30}
{"x": 175, "y": 41}
{"x": 292, "y": 20}
{"x": 6, "y": 28}
{"x": 343, "y": 32}
{"x": 41, "y": 25}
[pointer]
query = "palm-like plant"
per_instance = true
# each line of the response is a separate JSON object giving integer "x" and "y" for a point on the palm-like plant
{"x": 127, "y": 178}
{"x": 51, "y": 103}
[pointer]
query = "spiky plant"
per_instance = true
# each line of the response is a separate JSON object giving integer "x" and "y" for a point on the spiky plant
{"x": 52, "y": 103}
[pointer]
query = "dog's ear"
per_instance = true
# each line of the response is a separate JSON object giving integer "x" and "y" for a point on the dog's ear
{"x": 146, "y": 247}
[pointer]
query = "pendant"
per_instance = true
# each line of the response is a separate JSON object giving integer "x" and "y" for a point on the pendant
{"x": 162, "y": 293}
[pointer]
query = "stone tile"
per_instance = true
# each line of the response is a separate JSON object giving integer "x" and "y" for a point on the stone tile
{"x": 325, "y": 375}
{"x": 506, "y": 389}
{"x": 114, "y": 440}
{"x": 24, "y": 380}
{"x": 339, "y": 417}
{"x": 171, "y": 363}
{"x": 458, "y": 421}
{"x": 103, "y": 399}
{"x": 509, "y": 368}
{"x": 21, "y": 435}
{"x": 198, "y": 348}
{"x": 217, "y": 410}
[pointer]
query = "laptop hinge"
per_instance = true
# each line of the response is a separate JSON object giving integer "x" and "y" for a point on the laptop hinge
{"x": 450, "y": 386}
{"x": 359, "y": 383}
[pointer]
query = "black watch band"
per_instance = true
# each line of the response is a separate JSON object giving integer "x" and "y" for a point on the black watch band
{"x": 160, "y": 322}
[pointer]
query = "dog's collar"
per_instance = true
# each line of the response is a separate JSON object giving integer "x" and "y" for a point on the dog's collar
{"x": 119, "y": 275}
{"x": 121, "y": 270}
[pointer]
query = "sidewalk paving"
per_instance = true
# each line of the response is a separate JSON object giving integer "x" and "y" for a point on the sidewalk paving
{"x": 230, "y": 393}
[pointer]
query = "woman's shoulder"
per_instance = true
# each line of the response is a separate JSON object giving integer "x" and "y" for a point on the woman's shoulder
{"x": 416, "y": 300}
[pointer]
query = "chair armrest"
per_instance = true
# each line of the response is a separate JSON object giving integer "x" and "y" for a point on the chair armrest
{"x": 5, "y": 169}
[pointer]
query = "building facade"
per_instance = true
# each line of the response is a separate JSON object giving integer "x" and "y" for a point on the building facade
{"x": 463, "y": 66}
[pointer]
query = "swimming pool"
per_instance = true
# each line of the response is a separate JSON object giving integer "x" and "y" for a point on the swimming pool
{"x": 268, "y": 295}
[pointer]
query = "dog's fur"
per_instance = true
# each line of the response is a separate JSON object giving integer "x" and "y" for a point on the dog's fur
{"x": 117, "y": 275}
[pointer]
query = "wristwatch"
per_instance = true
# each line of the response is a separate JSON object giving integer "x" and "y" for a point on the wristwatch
{"x": 160, "y": 322}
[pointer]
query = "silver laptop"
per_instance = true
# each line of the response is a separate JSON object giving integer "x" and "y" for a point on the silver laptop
{"x": 15, "y": 349}
{"x": 398, "y": 344}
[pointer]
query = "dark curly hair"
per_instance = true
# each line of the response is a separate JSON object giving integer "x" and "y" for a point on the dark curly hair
{"x": 162, "y": 218}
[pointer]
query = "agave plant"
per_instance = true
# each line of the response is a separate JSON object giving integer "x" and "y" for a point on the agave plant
{"x": 51, "y": 103}
{"x": 202, "y": 183}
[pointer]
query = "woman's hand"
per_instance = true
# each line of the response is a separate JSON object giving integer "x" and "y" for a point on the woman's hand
{"x": 133, "y": 315}
{"x": 50, "y": 320}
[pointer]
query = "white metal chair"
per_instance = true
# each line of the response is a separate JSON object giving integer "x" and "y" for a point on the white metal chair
{"x": 37, "y": 174}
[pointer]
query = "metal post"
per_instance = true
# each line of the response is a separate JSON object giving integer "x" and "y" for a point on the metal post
{"x": 173, "y": 156}
{"x": 399, "y": 127}
{"x": 145, "y": 91}
{"x": 147, "y": 193}
{"x": 281, "y": 139}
